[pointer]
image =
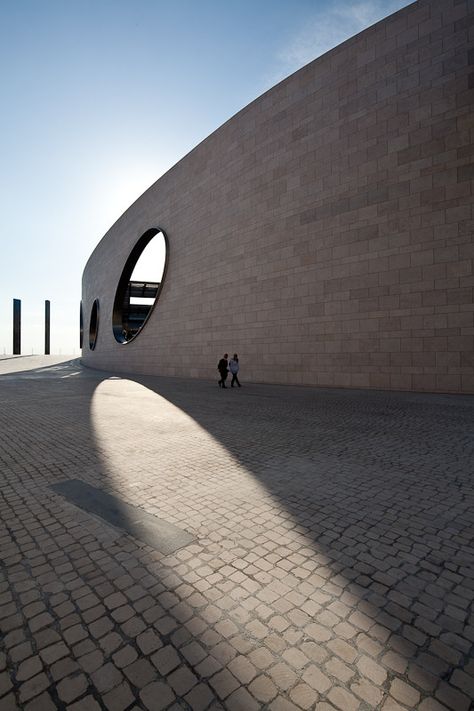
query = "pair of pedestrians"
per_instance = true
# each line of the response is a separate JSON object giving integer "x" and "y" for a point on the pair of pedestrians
{"x": 224, "y": 366}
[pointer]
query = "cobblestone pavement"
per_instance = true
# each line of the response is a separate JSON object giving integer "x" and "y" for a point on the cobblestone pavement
{"x": 332, "y": 566}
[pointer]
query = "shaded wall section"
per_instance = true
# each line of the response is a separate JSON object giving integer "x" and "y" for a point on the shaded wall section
{"x": 326, "y": 231}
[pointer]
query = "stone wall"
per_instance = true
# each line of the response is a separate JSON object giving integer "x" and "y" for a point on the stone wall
{"x": 325, "y": 232}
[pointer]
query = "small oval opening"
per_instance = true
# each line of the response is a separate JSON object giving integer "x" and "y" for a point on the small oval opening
{"x": 94, "y": 324}
{"x": 140, "y": 285}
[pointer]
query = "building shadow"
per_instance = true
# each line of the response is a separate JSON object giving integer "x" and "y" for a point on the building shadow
{"x": 379, "y": 484}
{"x": 372, "y": 486}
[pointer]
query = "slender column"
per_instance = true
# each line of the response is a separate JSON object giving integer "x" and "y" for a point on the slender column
{"x": 16, "y": 326}
{"x": 81, "y": 327}
{"x": 47, "y": 327}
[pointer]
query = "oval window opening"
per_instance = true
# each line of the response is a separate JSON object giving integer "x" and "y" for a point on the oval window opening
{"x": 94, "y": 324}
{"x": 140, "y": 285}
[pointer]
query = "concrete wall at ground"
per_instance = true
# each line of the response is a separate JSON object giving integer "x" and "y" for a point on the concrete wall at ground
{"x": 325, "y": 232}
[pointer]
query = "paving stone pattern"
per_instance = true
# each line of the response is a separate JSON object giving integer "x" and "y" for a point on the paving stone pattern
{"x": 333, "y": 562}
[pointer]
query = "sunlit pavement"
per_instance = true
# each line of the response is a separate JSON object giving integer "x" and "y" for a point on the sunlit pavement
{"x": 332, "y": 560}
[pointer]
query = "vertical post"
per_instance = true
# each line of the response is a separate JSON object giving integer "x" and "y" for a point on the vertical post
{"x": 16, "y": 327}
{"x": 47, "y": 326}
{"x": 81, "y": 327}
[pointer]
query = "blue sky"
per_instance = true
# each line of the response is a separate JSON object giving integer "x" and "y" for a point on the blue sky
{"x": 99, "y": 98}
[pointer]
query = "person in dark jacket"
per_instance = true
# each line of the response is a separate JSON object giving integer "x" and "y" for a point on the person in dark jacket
{"x": 223, "y": 370}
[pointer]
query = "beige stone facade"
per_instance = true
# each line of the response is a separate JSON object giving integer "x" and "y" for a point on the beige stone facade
{"x": 325, "y": 232}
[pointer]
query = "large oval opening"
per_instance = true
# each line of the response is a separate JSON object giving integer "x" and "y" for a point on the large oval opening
{"x": 140, "y": 285}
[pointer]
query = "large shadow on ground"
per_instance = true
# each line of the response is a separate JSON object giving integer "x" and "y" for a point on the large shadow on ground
{"x": 379, "y": 484}
{"x": 374, "y": 485}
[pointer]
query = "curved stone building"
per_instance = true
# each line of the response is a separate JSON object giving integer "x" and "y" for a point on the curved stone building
{"x": 325, "y": 232}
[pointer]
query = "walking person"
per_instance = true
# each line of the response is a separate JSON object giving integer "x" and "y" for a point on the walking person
{"x": 222, "y": 367}
{"x": 234, "y": 369}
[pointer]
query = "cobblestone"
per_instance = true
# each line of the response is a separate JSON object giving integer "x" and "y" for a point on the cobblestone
{"x": 332, "y": 560}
